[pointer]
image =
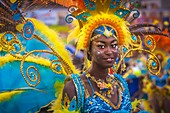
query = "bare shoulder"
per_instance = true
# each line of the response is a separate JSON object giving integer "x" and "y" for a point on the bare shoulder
{"x": 69, "y": 89}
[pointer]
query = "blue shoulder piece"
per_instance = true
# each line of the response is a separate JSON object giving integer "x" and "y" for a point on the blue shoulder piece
{"x": 126, "y": 103}
{"x": 124, "y": 83}
{"x": 79, "y": 89}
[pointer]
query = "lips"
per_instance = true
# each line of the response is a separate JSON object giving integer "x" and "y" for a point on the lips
{"x": 109, "y": 59}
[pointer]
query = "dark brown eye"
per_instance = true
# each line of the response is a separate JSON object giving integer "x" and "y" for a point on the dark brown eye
{"x": 101, "y": 46}
{"x": 114, "y": 46}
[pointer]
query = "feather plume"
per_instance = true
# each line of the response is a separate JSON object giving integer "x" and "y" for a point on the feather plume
{"x": 68, "y": 3}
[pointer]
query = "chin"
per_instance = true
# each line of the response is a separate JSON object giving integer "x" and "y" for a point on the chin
{"x": 109, "y": 66}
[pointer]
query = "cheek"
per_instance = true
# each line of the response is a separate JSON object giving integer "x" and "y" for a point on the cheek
{"x": 116, "y": 53}
{"x": 97, "y": 54}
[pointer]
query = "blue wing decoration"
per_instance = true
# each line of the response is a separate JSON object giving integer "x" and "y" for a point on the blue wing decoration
{"x": 33, "y": 61}
{"x": 20, "y": 97}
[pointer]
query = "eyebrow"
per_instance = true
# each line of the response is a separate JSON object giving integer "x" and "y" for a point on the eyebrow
{"x": 100, "y": 41}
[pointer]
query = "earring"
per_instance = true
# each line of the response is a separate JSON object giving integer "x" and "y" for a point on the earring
{"x": 123, "y": 66}
{"x": 121, "y": 56}
{"x": 114, "y": 67}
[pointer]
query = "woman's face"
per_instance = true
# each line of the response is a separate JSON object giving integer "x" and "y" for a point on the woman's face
{"x": 104, "y": 51}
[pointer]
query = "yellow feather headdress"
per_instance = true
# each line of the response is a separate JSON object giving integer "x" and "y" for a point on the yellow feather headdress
{"x": 97, "y": 13}
{"x": 118, "y": 15}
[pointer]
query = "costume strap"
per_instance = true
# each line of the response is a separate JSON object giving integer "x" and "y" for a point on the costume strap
{"x": 122, "y": 83}
{"x": 79, "y": 89}
{"x": 89, "y": 83}
{"x": 125, "y": 91}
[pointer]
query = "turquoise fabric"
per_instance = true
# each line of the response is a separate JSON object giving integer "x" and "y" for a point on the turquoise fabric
{"x": 99, "y": 105}
{"x": 30, "y": 100}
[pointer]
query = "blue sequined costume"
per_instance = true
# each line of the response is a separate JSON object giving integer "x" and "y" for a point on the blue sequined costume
{"x": 96, "y": 104}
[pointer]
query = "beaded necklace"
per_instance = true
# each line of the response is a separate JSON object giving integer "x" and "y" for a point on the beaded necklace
{"x": 105, "y": 88}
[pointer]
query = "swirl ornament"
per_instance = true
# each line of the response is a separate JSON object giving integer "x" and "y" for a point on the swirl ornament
{"x": 6, "y": 40}
{"x": 16, "y": 47}
{"x": 56, "y": 66}
{"x": 72, "y": 9}
{"x": 28, "y": 30}
{"x": 10, "y": 43}
{"x": 150, "y": 42}
{"x": 136, "y": 41}
{"x": 124, "y": 49}
{"x": 69, "y": 18}
{"x": 33, "y": 74}
{"x": 153, "y": 65}
{"x": 136, "y": 14}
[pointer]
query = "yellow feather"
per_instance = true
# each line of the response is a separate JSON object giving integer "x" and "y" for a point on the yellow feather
{"x": 135, "y": 103}
{"x": 38, "y": 60}
{"x": 54, "y": 42}
{"x": 74, "y": 33}
{"x": 19, "y": 27}
{"x": 118, "y": 24}
{"x": 8, "y": 95}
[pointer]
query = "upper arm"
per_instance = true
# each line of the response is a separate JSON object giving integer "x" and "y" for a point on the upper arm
{"x": 69, "y": 89}
{"x": 73, "y": 93}
{"x": 69, "y": 96}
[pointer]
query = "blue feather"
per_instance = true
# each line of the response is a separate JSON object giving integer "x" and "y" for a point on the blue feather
{"x": 31, "y": 100}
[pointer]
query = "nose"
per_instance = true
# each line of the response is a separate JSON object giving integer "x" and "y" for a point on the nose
{"x": 109, "y": 51}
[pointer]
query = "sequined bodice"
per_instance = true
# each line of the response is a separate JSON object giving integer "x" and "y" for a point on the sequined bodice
{"x": 95, "y": 104}
{"x": 98, "y": 104}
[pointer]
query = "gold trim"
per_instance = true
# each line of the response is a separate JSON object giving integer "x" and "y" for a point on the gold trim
{"x": 149, "y": 66}
{"x": 86, "y": 91}
{"x": 103, "y": 85}
{"x": 95, "y": 37}
{"x": 109, "y": 102}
